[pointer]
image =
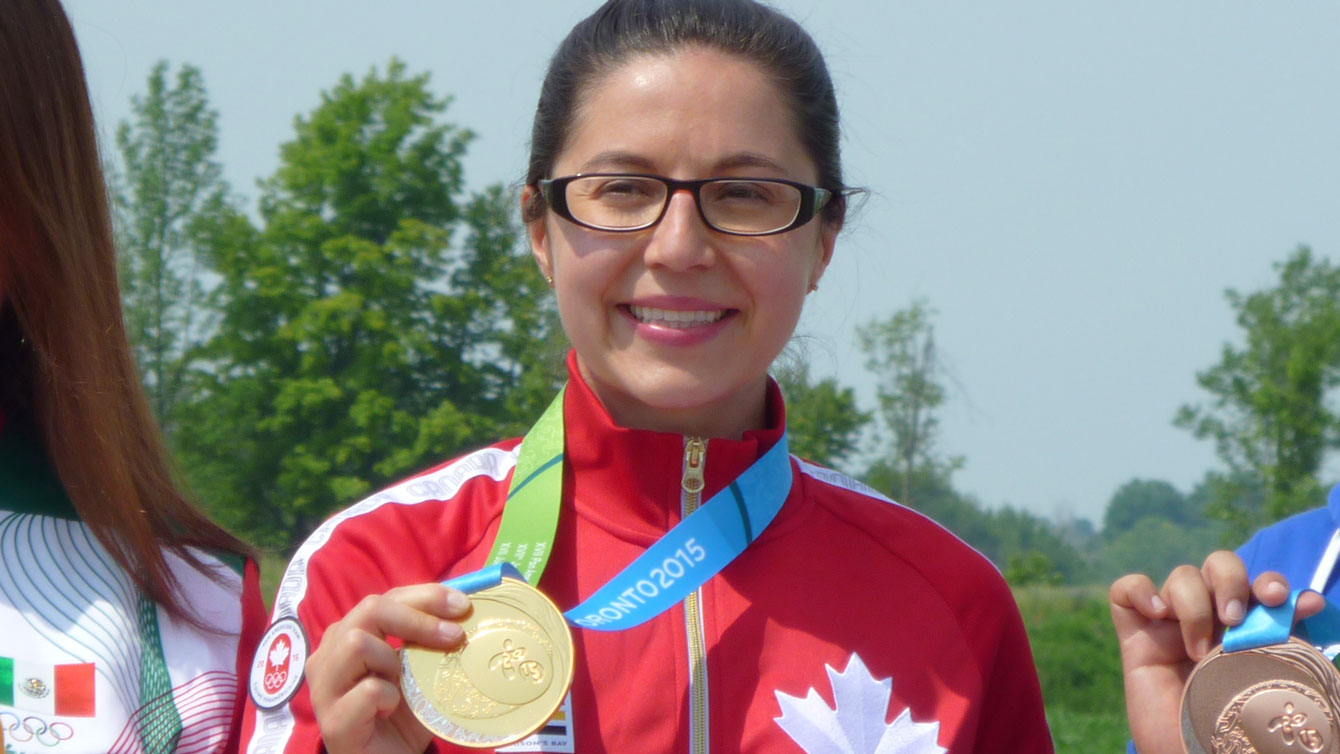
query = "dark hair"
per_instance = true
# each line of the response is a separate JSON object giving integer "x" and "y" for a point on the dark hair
{"x": 65, "y": 361}
{"x": 621, "y": 29}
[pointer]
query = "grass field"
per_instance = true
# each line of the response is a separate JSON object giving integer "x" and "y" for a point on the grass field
{"x": 1073, "y": 646}
{"x": 1079, "y": 666}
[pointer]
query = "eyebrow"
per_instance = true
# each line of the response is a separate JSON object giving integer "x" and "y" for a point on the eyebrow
{"x": 621, "y": 159}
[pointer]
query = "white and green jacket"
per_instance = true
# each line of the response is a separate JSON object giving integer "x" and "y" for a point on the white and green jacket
{"x": 87, "y": 663}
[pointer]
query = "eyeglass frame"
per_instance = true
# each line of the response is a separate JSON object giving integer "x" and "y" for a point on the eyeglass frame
{"x": 812, "y": 200}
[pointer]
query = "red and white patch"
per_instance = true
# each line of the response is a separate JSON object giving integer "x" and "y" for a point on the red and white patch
{"x": 276, "y": 671}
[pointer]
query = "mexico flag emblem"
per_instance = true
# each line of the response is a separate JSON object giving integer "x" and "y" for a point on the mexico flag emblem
{"x": 65, "y": 690}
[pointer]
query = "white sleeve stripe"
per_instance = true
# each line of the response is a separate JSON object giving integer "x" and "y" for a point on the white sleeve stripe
{"x": 838, "y": 479}
{"x": 273, "y": 727}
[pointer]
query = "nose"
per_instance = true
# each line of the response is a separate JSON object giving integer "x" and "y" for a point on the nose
{"x": 680, "y": 241}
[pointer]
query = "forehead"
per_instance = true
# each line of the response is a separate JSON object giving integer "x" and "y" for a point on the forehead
{"x": 685, "y": 113}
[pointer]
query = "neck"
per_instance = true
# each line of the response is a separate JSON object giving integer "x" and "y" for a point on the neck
{"x": 728, "y": 417}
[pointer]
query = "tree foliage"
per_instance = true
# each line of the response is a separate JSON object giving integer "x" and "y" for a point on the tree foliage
{"x": 169, "y": 186}
{"x": 1268, "y": 414}
{"x": 823, "y": 422}
{"x": 900, "y": 352}
{"x": 1148, "y": 498}
{"x": 1155, "y": 545}
{"x": 378, "y": 320}
{"x": 1021, "y": 544}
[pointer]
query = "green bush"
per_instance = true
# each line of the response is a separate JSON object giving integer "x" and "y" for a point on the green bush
{"x": 1079, "y": 666}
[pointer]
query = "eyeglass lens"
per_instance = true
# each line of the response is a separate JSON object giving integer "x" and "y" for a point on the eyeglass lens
{"x": 743, "y": 206}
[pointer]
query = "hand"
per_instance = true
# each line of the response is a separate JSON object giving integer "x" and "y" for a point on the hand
{"x": 1163, "y": 634}
{"x": 353, "y": 676}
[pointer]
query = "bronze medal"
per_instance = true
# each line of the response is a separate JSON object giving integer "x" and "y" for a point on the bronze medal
{"x": 505, "y": 681}
{"x": 1277, "y": 699}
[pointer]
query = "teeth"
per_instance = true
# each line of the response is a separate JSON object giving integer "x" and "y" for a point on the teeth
{"x": 674, "y": 318}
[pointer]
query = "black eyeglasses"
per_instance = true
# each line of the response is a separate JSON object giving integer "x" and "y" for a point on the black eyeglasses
{"x": 622, "y": 202}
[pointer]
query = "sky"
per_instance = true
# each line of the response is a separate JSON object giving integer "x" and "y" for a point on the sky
{"x": 1070, "y": 185}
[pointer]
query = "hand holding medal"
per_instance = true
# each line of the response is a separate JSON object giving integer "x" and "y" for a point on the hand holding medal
{"x": 1164, "y": 633}
{"x": 351, "y": 677}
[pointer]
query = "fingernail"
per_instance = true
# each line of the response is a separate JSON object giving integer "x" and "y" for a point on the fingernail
{"x": 457, "y": 601}
{"x": 1276, "y": 590}
{"x": 1233, "y": 612}
{"x": 1202, "y": 648}
{"x": 448, "y": 631}
{"x": 1158, "y": 603}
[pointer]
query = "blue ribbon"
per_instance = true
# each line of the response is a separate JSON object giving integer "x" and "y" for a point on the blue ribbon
{"x": 705, "y": 542}
{"x": 694, "y": 551}
{"x": 484, "y": 578}
{"x": 1264, "y": 626}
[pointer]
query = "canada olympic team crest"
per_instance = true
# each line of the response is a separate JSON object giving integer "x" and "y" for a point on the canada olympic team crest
{"x": 276, "y": 671}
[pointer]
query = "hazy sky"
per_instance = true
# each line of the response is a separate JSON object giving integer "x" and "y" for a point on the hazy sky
{"x": 1072, "y": 185}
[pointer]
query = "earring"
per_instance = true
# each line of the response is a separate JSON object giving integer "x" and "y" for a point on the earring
{"x": 550, "y": 280}
{"x": 813, "y": 287}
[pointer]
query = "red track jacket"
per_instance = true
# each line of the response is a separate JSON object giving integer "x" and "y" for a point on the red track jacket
{"x": 851, "y": 624}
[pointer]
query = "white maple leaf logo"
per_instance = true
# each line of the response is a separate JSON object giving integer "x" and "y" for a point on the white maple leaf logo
{"x": 279, "y": 652}
{"x": 857, "y": 725}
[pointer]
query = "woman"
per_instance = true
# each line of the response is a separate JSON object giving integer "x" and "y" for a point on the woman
{"x": 684, "y": 195}
{"x": 123, "y": 609}
{"x": 1164, "y": 632}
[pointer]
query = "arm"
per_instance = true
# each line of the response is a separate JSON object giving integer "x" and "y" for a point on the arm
{"x": 1012, "y": 708}
{"x": 253, "y": 625}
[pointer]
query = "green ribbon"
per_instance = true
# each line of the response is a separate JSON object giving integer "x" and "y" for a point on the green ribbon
{"x": 526, "y": 534}
{"x": 158, "y": 721}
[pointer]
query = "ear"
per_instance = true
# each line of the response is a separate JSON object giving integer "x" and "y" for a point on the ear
{"x": 828, "y": 234}
{"x": 538, "y": 234}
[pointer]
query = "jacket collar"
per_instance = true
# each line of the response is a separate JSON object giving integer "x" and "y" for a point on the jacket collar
{"x": 28, "y": 483}
{"x": 628, "y": 481}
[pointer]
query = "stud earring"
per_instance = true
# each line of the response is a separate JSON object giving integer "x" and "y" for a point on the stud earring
{"x": 550, "y": 280}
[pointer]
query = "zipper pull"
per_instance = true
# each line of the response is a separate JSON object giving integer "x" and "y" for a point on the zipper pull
{"x": 695, "y": 455}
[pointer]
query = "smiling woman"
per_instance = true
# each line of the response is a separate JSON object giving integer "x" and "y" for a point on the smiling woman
{"x": 684, "y": 196}
{"x": 625, "y": 297}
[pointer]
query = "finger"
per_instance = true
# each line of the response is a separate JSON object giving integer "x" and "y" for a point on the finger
{"x": 1309, "y": 604}
{"x": 414, "y": 615}
{"x": 1271, "y": 588}
{"x": 353, "y": 714}
{"x": 351, "y": 656}
{"x": 1190, "y": 602}
{"x": 437, "y": 599}
{"x": 1226, "y": 575}
{"x": 1136, "y": 592}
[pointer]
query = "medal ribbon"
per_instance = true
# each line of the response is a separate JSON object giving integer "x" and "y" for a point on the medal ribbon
{"x": 1272, "y": 625}
{"x": 695, "y": 550}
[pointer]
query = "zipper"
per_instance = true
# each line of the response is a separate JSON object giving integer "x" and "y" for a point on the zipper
{"x": 695, "y": 458}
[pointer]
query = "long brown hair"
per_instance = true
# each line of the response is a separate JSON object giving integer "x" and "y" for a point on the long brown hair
{"x": 65, "y": 361}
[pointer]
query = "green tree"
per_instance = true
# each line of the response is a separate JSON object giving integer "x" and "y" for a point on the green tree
{"x": 1012, "y": 539}
{"x": 1268, "y": 416}
{"x": 168, "y": 187}
{"x": 1238, "y": 499}
{"x": 823, "y": 423}
{"x": 378, "y": 321}
{"x": 1154, "y": 546}
{"x": 1032, "y": 568}
{"x": 900, "y": 351}
{"x": 1142, "y": 498}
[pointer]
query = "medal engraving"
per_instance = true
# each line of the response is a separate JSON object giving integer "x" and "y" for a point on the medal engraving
{"x": 1279, "y": 699}
{"x": 505, "y": 681}
{"x": 1274, "y": 717}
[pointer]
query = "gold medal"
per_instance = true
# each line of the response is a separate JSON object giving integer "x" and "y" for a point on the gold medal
{"x": 1277, "y": 699}
{"x": 505, "y": 681}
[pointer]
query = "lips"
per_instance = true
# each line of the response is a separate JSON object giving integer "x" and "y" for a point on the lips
{"x": 680, "y": 319}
